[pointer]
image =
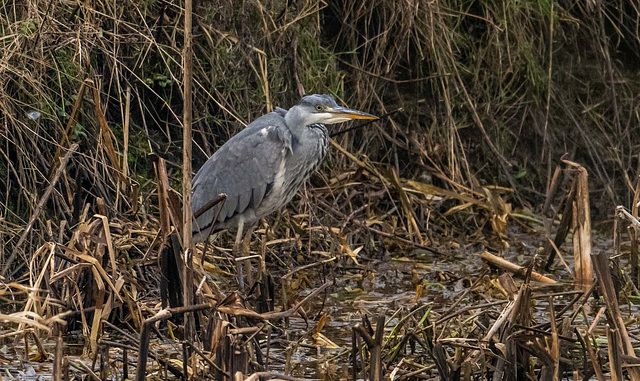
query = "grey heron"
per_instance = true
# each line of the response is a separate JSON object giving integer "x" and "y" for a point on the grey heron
{"x": 261, "y": 168}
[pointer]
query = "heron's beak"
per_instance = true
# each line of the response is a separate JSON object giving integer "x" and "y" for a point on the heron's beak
{"x": 347, "y": 113}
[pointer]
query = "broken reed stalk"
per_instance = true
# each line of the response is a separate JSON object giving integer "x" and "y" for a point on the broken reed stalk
{"x": 520, "y": 316}
{"x": 125, "y": 133}
{"x": 354, "y": 355}
{"x": 162, "y": 181}
{"x": 185, "y": 361}
{"x": 205, "y": 358}
{"x": 633, "y": 262}
{"x": 268, "y": 375}
{"x": 164, "y": 314}
{"x": 565, "y": 223}
{"x": 171, "y": 261}
{"x": 374, "y": 344}
{"x": 515, "y": 308}
{"x": 36, "y": 212}
{"x": 273, "y": 315}
{"x": 615, "y": 361}
{"x": 187, "y": 240}
{"x": 633, "y": 228}
{"x": 105, "y": 133}
{"x": 71, "y": 123}
{"x": 514, "y": 268}
{"x": 614, "y": 317}
{"x": 104, "y": 361}
{"x": 125, "y": 364}
{"x": 635, "y": 267}
{"x": 58, "y": 356}
{"x": 576, "y": 215}
{"x": 597, "y": 368}
{"x": 582, "y": 228}
{"x": 555, "y": 343}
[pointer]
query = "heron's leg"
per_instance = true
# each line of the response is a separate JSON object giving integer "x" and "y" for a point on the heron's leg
{"x": 237, "y": 253}
{"x": 246, "y": 246}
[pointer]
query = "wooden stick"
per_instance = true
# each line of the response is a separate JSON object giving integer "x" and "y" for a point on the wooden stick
{"x": 512, "y": 267}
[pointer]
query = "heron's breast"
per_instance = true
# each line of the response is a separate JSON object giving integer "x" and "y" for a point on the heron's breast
{"x": 303, "y": 166}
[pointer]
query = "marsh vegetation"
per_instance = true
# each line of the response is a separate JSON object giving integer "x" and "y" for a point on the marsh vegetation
{"x": 485, "y": 227}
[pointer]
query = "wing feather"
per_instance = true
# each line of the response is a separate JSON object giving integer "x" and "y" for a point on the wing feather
{"x": 258, "y": 194}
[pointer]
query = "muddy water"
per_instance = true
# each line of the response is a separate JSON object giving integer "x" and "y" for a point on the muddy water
{"x": 391, "y": 290}
{"x": 387, "y": 286}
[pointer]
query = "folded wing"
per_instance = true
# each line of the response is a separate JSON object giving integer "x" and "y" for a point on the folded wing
{"x": 244, "y": 169}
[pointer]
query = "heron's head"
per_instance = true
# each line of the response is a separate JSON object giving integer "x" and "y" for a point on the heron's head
{"x": 322, "y": 108}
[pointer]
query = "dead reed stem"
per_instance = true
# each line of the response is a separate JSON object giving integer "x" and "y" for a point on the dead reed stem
{"x": 514, "y": 268}
{"x": 615, "y": 320}
{"x": 187, "y": 217}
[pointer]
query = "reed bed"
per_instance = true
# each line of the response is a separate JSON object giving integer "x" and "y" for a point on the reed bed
{"x": 499, "y": 120}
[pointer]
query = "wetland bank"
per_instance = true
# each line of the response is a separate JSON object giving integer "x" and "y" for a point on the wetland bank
{"x": 485, "y": 227}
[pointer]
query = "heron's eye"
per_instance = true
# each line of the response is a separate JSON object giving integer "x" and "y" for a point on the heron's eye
{"x": 319, "y": 107}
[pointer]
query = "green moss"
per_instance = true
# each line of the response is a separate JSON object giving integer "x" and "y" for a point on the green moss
{"x": 67, "y": 66}
{"x": 28, "y": 28}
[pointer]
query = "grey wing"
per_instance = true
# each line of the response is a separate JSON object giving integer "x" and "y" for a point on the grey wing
{"x": 244, "y": 169}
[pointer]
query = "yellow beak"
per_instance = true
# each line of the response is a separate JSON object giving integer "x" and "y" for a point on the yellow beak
{"x": 343, "y": 112}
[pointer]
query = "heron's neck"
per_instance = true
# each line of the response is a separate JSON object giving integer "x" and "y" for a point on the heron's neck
{"x": 319, "y": 127}
{"x": 321, "y": 135}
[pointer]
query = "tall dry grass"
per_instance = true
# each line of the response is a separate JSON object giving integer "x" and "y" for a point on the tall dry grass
{"x": 475, "y": 95}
